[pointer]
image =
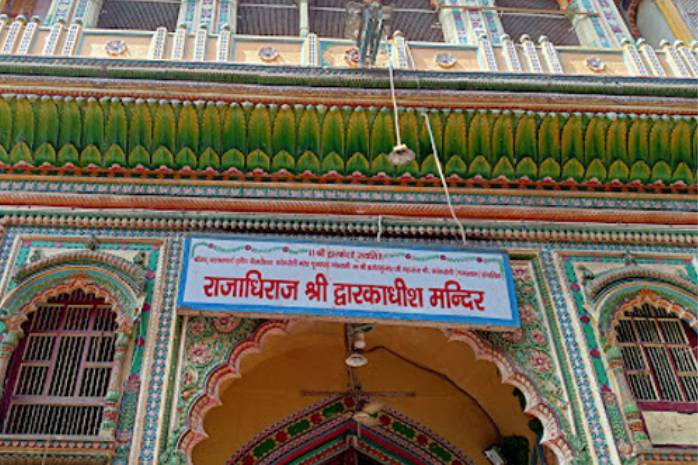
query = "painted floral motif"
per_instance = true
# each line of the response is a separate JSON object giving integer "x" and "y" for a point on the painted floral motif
{"x": 197, "y": 327}
{"x": 226, "y": 324}
{"x": 540, "y": 362}
{"x": 199, "y": 354}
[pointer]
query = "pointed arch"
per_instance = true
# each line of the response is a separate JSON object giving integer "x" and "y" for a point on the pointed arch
{"x": 554, "y": 436}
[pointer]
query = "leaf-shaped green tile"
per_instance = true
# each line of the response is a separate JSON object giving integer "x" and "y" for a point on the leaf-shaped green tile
{"x": 455, "y": 136}
{"x": 284, "y": 131}
{"x": 618, "y": 170}
{"x": 357, "y": 132}
{"x": 309, "y": 162}
{"x": 210, "y": 159}
{"x": 550, "y": 168}
{"x": 358, "y": 163}
{"x": 185, "y": 157}
{"x": 640, "y": 171}
{"x": 233, "y": 158}
{"x": 596, "y": 170}
{"x": 162, "y": 157}
{"x": 138, "y": 156}
{"x": 24, "y": 122}
{"x": 257, "y": 159}
{"x": 188, "y": 127}
{"x": 573, "y": 169}
{"x": 140, "y": 127}
{"x": 164, "y": 127}
{"x": 45, "y": 153}
{"x": 46, "y": 122}
{"x": 235, "y": 129}
{"x": 114, "y": 155}
{"x": 116, "y": 131}
{"x": 68, "y": 154}
{"x": 283, "y": 161}
{"x": 332, "y": 162}
{"x": 333, "y": 132}
{"x": 93, "y": 124}
{"x": 211, "y": 128}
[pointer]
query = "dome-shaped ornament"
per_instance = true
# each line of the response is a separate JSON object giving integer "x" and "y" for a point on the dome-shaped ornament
{"x": 445, "y": 60}
{"x": 115, "y": 48}
{"x": 268, "y": 54}
{"x": 595, "y": 64}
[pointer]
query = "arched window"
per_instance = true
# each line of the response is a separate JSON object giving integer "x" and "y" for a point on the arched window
{"x": 659, "y": 358}
{"x": 61, "y": 370}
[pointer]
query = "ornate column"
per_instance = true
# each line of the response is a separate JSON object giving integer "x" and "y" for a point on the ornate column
{"x": 631, "y": 411}
{"x": 303, "y": 18}
{"x": 602, "y": 27}
{"x": 10, "y": 339}
{"x": 112, "y": 400}
{"x": 466, "y": 26}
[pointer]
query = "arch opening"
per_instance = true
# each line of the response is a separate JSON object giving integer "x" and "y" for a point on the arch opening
{"x": 414, "y": 374}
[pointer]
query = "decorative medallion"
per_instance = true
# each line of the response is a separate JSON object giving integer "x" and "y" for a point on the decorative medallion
{"x": 595, "y": 64}
{"x": 268, "y": 54}
{"x": 352, "y": 57}
{"x": 445, "y": 60}
{"x": 115, "y": 48}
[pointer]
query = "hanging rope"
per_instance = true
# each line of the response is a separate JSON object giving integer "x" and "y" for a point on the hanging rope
{"x": 443, "y": 180}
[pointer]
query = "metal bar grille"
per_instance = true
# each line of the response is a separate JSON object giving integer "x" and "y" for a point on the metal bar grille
{"x": 659, "y": 357}
{"x": 64, "y": 368}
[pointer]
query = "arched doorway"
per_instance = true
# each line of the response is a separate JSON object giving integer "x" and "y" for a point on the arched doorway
{"x": 438, "y": 403}
{"x": 351, "y": 457}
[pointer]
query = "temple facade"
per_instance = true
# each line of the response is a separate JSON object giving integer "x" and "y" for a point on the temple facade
{"x": 325, "y": 232}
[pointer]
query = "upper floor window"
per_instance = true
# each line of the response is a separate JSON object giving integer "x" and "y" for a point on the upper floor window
{"x": 61, "y": 370}
{"x": 145, "y": 15}
{"x": 659, "y": 359}
{"x": 26, "y": 8}
{"x": 268, "y": 17}
{"x": 414, "y": 18}
{"x": 535, "y": 18}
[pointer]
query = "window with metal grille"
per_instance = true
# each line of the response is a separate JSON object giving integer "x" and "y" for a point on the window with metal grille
{"x": 536, "y": 18}
{"x": 659, "y": 359}
{"x": 60, "y": 371}
{"x": 144, "y": 15}
{"x": 416, "y": 19}
{"x": 268, "y": 17}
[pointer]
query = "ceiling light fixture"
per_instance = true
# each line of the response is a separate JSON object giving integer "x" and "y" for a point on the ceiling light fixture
{"x": 356, "y": 360}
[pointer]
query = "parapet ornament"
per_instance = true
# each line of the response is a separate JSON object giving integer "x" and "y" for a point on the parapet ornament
{"x": 132, "y": 273}
{"x": 600, "y": 283}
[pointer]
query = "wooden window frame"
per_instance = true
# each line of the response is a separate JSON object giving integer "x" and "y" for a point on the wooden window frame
{"x": 95, "y": 305}
{"x": 691, "y": 343}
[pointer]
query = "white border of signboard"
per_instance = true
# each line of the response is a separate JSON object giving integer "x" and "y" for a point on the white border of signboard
{"x": 338, "y": 314}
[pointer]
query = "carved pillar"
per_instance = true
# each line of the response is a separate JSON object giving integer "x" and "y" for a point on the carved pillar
{"x": 631, "y": 411}
{"x": 303, "y": 18}
{"x": 110, "y": 416}
{"x": 10, "y": 339}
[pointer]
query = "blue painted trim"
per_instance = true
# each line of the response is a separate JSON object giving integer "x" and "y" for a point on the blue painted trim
{"x": 512, "y": 322}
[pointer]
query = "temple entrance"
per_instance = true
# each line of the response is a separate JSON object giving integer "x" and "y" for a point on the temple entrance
{"x": 416, "y": 398}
